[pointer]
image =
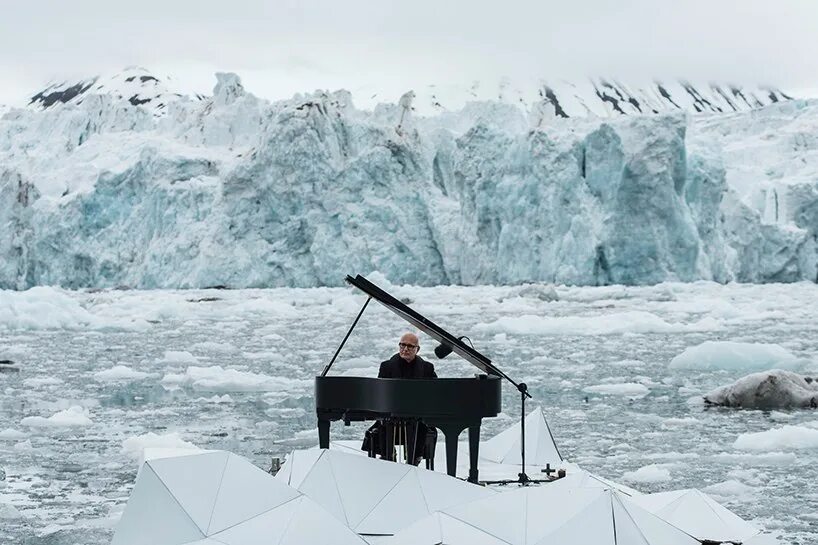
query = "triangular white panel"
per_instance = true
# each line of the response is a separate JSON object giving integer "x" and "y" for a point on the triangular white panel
{"x": 285, "y": 471}
{"x": 265, "y": 529}
{"x": 655, "y": 530}
{"x": 246, "y": 491}
{"x": 300, "y": 463}
{"x": 348, "y": 447}
{"x": 697, "y": 514}
{"x": 442, "y": 491}
{"x": 312, "y": 525}
{"x": 321, "y": 488}
{"x": 402, "y": 506}
{"x": 502, "y": 515}
{"x": 456, "y": 532}
{"x": 426, "y": 531}
{"x": 592, "y": 525}
{"x": 153, "y": 515}
{"x": 627, "y": 531}
{"x": 551, "y": 504}
{"x": 539, "y": 445}
{"x": 363, "y": 482}
{"x": 762, "y": 539}
{"x": 584, "y": 479}
{"x": 194, "y": 481}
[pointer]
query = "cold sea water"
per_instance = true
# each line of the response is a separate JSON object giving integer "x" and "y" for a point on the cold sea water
{"x": 97, "y": 376}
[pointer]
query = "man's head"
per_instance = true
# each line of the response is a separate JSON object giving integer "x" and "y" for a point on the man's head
{"x": 408, "y": 346}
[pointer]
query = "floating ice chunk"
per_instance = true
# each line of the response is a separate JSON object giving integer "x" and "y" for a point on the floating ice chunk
{"x": 72, "y": 416}
{"x": 674, "y": 422}
{"x": 603, "y": 324}
{"x": 137, "y": 446}
{"x": 42, "y": 308}
{"x": 735, "y": 355}
{"x": 52, "y": 308}
{"x": 216, "y": 399}
{"x": 121, "y": 373}
{"x": 779, "y": 439}
{"x": 10, "y": 434}
{"x": 219, "y": 348}
{"x": 653, "y": 473}
{"x": 218, "y": 379}
{"x": 728, "y": 489}
{"x": 36, "y": 382}
{"x": 627, "y": 389}
{"x": 774, "y": 389}
{"x": 543, "y": 292}
{"x": 760, "y": 459}
{"x": 8, "y": 511}
{"x": 178, "y": 356}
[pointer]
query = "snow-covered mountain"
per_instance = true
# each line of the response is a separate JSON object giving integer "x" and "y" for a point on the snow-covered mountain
{"x": 136, "y": 86}
{"x": 232, "y": 190}
{"x": 590, "y": 97}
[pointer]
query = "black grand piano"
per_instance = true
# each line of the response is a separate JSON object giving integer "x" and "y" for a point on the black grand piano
{"x": 449, "y": 404}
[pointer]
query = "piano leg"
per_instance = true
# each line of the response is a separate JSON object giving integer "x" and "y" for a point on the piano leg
{"x": 323, "y": 433}
{"x": 389, "y": 428}
{"x": 451, "y": 451}
{"x": 474, "y": 445}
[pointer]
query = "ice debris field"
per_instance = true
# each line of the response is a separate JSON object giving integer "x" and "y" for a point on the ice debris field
{"x": 95, "y": 377}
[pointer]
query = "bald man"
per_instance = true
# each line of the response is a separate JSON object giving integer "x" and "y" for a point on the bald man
{"x": 406, "y": 363}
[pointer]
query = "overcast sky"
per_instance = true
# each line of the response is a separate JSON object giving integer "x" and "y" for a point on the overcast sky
{"x": 281, "y": 47}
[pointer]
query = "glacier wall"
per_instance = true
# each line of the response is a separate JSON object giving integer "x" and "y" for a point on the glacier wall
{"x": 234, "y": 191}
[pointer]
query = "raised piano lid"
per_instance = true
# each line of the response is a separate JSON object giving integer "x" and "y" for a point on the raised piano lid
{"x": 427, "y": 326}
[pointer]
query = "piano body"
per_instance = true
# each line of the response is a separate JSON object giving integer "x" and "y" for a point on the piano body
{"x": 449, "y": 404}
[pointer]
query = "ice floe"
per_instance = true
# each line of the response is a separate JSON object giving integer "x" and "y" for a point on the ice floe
{"x": 735, "y": 355}
{"x": 776, "y": 389}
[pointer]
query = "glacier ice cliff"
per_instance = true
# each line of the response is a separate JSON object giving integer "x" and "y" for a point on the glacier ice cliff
{"x": 232, "y": 190}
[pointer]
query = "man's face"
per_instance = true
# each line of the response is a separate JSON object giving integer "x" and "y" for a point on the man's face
{"x": 408, "y": 346}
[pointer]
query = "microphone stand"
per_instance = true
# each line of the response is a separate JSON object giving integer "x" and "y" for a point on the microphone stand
{"x": 523, "y": 478}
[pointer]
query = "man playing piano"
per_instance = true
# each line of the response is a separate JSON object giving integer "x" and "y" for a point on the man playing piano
{"x": 405, "y": 364}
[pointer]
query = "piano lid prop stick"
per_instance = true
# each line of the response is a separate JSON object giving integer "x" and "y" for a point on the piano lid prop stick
{"x": 326, "y": 369}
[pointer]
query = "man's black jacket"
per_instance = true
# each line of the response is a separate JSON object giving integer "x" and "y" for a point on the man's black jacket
{"x": 397, "y": 367}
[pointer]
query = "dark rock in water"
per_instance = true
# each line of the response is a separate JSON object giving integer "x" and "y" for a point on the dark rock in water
{"x": 8, "y": 366}
{"x": 775, "y": 389}
{"x": 204, "y": 300}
